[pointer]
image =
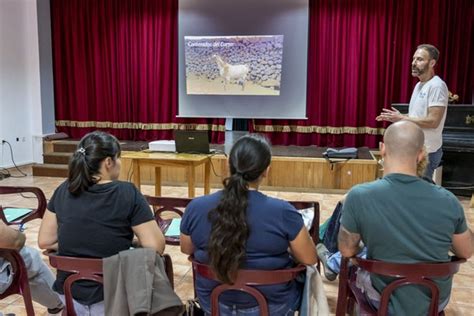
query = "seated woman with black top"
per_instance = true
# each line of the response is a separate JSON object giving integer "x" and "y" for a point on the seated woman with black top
{"x": 241, "y": 228}
{"x": 93, "y": 215}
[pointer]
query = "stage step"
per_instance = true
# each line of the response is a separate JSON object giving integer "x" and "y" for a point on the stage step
{"x": 57, "y": 158}
{"x": 65, "y": 146}
{"x": 50, "y": 170}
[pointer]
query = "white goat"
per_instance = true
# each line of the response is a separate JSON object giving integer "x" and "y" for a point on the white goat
{"x": 232, "y": 72}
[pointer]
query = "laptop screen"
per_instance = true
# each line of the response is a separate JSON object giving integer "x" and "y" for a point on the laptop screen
{"x": 192, "y": 142}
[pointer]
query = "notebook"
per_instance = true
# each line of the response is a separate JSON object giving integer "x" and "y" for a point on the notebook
{"x": 12, "y": 214}
{"x": 173, "y": 229}
{"x": 192, "y": 142}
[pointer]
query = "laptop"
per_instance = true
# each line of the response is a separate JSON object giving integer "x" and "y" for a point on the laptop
{"x": 191, "y": 142}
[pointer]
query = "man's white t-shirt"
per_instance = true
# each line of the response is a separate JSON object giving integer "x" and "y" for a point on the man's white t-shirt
{"x": 434, "y": 92}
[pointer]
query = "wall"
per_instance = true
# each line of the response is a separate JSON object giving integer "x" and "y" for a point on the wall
{"x": 46, "y": 66}
{"x": 20, "y": 94}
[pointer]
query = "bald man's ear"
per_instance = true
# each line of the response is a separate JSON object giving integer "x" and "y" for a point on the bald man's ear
{"x": 383, "y": 151}
{"x": 421, "y": 155}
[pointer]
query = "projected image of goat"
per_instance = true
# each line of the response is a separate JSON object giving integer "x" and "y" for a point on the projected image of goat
{"x": 231, "y": 73}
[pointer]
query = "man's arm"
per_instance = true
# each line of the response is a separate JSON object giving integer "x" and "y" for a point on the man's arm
{"x": 463, "y": 244}
{"x": 348, "y": 243}
{"x": 11, "y": 238}
{"x": 432, "y": 120}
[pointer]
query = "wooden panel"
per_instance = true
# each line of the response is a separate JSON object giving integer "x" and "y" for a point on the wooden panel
{"x": 285, "y": 172}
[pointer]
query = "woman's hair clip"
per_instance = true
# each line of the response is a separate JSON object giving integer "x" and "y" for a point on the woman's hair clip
{"x": 81, "y": 150}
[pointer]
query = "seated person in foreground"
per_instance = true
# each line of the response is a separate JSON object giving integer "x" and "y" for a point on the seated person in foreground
{"x": 40, "y": 277}
{"x": 241, "y": 228}
{"x": 327, "y": 249}
{"x": 93, "y": 215}
{"x": 403, "y": 219}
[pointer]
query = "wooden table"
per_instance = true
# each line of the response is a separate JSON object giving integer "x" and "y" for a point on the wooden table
{"x": 158, "y": 160}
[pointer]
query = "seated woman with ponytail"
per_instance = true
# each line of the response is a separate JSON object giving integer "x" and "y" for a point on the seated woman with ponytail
{"x": 242, "y": 228}
{"x": 93, "y": 215}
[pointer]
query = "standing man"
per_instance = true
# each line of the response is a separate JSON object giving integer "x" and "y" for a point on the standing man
{"x": 403, "y": 219}
{"x": 427, "y": 106}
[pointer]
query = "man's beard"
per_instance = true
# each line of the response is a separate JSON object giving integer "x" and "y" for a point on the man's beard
{"x": 415, "y": 71}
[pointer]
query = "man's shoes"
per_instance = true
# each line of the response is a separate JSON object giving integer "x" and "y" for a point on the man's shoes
{"x": 55, "y": 311}
{"x": 323, "y": 255}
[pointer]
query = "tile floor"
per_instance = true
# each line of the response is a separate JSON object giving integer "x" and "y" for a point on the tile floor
{"x": 462, "y": 298}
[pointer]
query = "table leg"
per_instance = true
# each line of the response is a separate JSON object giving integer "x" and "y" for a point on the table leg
{"x": 191, "y": 184}
{"x": 136, "y": 173}
{"x": 207, "y": 177}
{"x": 157, "y": 181}
{"x": 472, "y": 200}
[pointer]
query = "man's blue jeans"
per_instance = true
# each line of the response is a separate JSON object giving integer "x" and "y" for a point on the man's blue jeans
{"x": 434, "y": 161}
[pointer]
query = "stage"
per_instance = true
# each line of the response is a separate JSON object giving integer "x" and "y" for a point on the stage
{"x": 295, "y": 168}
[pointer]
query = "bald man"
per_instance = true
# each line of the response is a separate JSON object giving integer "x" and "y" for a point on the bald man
{"x": 427, "y": 106}
{"x": 404, "y": 219}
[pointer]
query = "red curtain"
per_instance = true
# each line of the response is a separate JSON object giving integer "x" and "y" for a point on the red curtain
{"x": 359, "y": 62}
{"x": 115, "y": 69}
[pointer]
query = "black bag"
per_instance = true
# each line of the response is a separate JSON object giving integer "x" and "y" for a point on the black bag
{"x": 345, "y": 153}
{"x": 193, "y": 308}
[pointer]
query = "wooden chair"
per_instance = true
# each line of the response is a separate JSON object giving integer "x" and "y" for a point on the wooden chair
{"x": 417, "y": 273}
{"x": 87, "y": 269}
{"x": 37, "y": 212}
{"x": 314, "y": 230}
{"x": 245, "y": 282}
{"x": 20, "y": 283}
{"x": 161, "y": 205}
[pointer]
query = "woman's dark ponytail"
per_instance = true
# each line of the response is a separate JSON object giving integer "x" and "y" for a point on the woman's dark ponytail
{"x": 249, "y": 158}
{"x": 84, "y": 165}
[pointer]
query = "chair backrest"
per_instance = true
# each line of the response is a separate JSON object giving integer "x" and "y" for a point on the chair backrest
{"x": 87, "y": 269}
{"x": 37, "y": 212}
{"x": 81, "y": 269}
{"x": 314, "y": 230}
{"x": 245, "y": 281}
{"x": 406, "y": 274}
{"x": 19, "y": 283}
{"x": 161, "y": 205}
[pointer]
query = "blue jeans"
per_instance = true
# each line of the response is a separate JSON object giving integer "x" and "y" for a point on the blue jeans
{"x": 277, "y": 310}
{"x": 283, "y": 309}
{"x": 434, "y": 161}
{"x": 40, "y": 278}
